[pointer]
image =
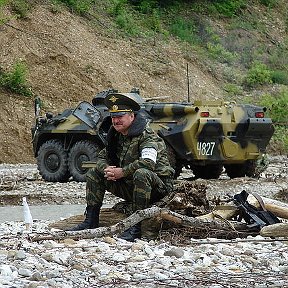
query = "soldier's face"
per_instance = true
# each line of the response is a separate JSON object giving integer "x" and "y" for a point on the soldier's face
{"x": 122, "y": 123}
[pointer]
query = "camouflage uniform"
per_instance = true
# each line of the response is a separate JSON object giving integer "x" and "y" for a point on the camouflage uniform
{"x": 144, "y": 181}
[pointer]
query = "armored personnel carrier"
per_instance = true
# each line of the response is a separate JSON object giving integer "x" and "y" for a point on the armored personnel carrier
{"x": 204, "y": 136}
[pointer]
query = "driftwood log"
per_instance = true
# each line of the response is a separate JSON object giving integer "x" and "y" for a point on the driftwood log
{"x": 275, "y": 230}
{"x": 139, "y": 216}
{"x": 185, "y": 211}
{"x": 221, "y": 211}
{"x": 280, "y": 209}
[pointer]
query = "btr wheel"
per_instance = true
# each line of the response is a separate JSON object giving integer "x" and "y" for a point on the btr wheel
{"x": 235, "y": 170}
{"x": 209, "y": 171}
{"x": 52, "y": 161}
{"x": 251, "y": 166}
{"x": 81, "y": 151}
{"x": 214, "y": 171}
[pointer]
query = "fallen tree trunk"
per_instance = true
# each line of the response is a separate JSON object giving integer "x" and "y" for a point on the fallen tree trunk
{"x": 275, "y": 230}
{"x": 138, "y": 216}
{"x": 278, "y": 208}
{"x": 222, "y": 212}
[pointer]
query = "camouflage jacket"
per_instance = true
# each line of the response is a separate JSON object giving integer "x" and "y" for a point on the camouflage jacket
{"x": 125, "y": 150}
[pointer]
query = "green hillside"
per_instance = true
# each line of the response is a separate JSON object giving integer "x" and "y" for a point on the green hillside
{"x": 239, "y": 48}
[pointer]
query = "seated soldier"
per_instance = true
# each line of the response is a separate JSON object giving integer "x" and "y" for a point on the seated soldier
{"x": 133, "y": 166}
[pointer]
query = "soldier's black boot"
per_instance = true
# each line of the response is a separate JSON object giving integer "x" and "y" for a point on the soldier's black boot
{"x": 132, "y": 233}
{"x": 91, "y": 219}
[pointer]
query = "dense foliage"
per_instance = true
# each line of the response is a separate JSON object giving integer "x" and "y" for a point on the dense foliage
{"x": 15, "y": 80}
{"x": 277, "y": 110}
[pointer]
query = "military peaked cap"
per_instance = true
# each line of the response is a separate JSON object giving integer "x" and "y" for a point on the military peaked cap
{"x": 122, "y": 103}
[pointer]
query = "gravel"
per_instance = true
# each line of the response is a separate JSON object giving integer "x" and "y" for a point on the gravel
{"x": 112, "y": 262}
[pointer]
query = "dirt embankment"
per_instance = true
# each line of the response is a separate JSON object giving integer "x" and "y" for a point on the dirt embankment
{"x": 69, "y": 61}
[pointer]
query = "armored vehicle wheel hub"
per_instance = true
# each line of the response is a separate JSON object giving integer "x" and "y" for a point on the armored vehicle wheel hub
{"x": 52, "y": 162}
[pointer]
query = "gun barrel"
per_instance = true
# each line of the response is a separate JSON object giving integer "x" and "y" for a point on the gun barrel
{"x": 173, "y": 109}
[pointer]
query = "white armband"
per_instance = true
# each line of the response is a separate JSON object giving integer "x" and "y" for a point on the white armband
{"x": 149, "y": 153}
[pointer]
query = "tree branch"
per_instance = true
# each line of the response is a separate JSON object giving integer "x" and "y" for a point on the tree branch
{"x": 137, "y": 217}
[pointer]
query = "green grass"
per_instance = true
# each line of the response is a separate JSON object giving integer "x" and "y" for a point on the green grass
{"x": 280, "y": 77}
{"x": 79, "y": 7}
{"x": 280, "y": 138}
{"x": 20, "y": 7}
{"x": 228, "y": 8}
{"x": 3, "y": 3}
{"x": 15, "y": 80}
{"x": 232, "y": 89}
{"x": 269, "y": 3}
{"x": 258, "y": 74}
{"x": 184, "y": 29}
{"x": 277, "y": 106}
{"x": 3, "y": 18}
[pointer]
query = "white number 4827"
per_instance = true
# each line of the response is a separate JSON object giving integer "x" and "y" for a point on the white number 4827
{"x": 205, "y": 148}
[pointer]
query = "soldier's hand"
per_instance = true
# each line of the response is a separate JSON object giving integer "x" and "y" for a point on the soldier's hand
{"x": 118, "y": 173}
{"x": 113, "y": 173}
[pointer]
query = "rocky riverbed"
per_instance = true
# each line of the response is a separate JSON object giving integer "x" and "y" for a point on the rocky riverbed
{"x": 112, "y": 262}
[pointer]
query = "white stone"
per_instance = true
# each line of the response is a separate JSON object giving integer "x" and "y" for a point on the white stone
{"x": 118, "y": 257}
{"x": 136, "y": 246}
{"x": 5, "y": 270}
{"x": 71, "y": 264}
{"x": 160, "y": 276}
{"x": 137, "y": 258}
{"x": 25, "y": 272}
{"x": 109, "y": 240}
{"x": 20, "y": 255}
{"x": 139, "y": 276}
{"x": 148, "y": 251}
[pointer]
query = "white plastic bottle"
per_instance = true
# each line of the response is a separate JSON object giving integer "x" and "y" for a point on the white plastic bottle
{"x": 27, "y": 217}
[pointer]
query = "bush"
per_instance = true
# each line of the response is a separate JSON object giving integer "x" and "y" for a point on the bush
{"x": 117, "y": 7}
{"x": 126, "y": 22}
{"x": 15, "y": 80}
{"x": 217, "y": 51}
{"x": 80, "y": 7}
{"x": 280, "y": 138}
{"x": 20, "y": 7}
{"x": 145, "y": 6}
{"x": 229, "y": 8}
{"x": 3, "y": 3}
{"x": 280, "y": 77}
{"x": 258, "y": 74}
{"x": 123, "y": 17}
{"x": 269, "y": 3}
{"x": 277, "y": 110}
{"x": 232, "y": 89}
{"x": 184, "y": 30}
{"x": 277, "y": 106}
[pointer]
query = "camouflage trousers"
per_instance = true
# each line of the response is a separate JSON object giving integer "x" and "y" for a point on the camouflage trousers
{"x": 143, "y": 189}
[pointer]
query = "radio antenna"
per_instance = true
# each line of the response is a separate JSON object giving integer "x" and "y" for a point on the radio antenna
{"x": 188, "y": 83}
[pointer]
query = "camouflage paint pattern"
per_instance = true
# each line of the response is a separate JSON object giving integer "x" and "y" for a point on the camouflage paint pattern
{"x": 231, "y": 133}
